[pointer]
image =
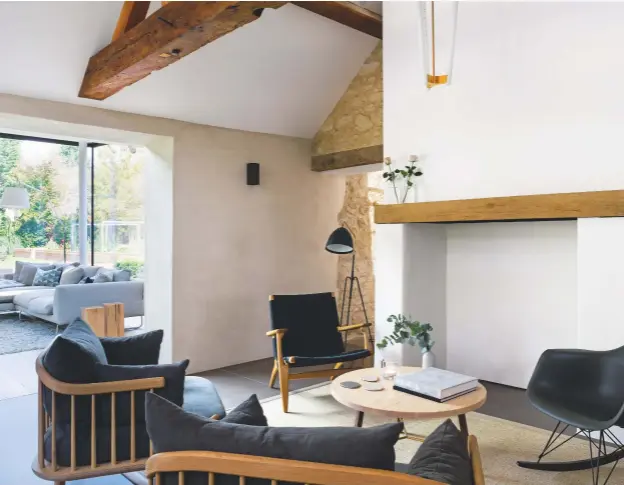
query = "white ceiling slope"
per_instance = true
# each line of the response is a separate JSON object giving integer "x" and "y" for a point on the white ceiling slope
{"x": 281, "y": 74}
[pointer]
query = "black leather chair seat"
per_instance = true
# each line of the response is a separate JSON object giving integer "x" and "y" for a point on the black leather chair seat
{"x": 329, "y": 359}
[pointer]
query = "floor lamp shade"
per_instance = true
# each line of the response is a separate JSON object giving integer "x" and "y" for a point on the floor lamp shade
{"x": 15, "y": 198}
{"x": 340, "y": 242}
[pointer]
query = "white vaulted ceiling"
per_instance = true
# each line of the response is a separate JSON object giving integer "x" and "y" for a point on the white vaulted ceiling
{"x": 281, "y": 74}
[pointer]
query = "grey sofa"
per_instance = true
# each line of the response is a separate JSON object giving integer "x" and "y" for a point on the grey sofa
{"x": 63, "y": 304}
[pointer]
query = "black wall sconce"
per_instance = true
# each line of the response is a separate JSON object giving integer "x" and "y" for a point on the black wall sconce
{"x": 253, "y": 173}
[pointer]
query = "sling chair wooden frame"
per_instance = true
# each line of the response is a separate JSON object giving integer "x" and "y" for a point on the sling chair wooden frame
{"x": 282, "y": 368}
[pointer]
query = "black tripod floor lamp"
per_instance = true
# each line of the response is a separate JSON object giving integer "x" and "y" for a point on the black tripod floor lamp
{"x": 341, "y": 242}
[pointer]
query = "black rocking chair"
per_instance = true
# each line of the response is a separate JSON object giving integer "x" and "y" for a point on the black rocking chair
{"x": 582, "y": 389}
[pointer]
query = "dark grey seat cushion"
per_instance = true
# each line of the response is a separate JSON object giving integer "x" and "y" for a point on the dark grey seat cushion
{"x": 141, "y": 349}
{"x": 172, "y": 429}
{"x": 443, "y": 457}
{"x": 201, "y": 397}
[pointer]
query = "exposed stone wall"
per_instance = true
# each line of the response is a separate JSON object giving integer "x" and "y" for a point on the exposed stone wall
{"x": 356, "y": 215}
{"x": 356, "y": 121}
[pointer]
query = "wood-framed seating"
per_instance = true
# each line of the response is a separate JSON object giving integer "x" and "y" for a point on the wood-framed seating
{"x": 306, "y": 332}
{"x": 58, "y": 401}
{"x": 175, "y": 467}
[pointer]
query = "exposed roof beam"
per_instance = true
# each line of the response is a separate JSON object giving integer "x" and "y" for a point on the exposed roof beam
{"x": 351, "y": 158}
{"x": 347, "y": 13}
{"x": 132, "y": 14}
{"x": 170, "y": 33}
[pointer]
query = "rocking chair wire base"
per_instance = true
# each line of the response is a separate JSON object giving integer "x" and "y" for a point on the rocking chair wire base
{"x": 598, "y": 455}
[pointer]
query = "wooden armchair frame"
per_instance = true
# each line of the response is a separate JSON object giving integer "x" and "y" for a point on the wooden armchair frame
{"x": 50, "y": 470}
{"x": 279, "y": 470}
{"x": 282, "y": 368}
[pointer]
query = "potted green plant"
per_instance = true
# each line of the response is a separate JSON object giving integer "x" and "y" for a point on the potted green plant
{"x": 411, "y": 332}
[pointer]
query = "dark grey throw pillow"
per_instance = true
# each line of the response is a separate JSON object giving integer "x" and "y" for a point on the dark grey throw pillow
{"x": 173, "y": 429}
{"x": 443, "y": 457}
{"x": 72, "y": 356}
{"x": 142, "y": 349}
{"x": 248, "y": 412}
{"x": 173, "y": 390}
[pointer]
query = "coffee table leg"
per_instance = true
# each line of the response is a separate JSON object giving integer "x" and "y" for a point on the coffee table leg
{"x": 463, "y": 424}
{"x": 359, "y": 419}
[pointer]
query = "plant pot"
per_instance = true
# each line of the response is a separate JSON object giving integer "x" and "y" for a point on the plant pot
{"x": 428, "y": 359}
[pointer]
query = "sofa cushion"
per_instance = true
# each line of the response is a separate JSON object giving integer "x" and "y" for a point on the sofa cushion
{"x": 173, "y": 390}
{"x": 103, "y": 276}
{"x": 73, "y": 355}
{"x": 7, "y": 284}
{"x": 29, "y": 272}
{"x": 172, "y": 429}
{"x": 90, "y": 271}
{"x": 46, "y": 277}
{"x": 141, "y": 349}
{"x": 71, "y": 275}
{"x": 443, "y": 457}
{"x": 122, "y": 275}
{"x": 201, "y": 397}
{"x": 42, "y": 305}
{"x": 24, "y": 298}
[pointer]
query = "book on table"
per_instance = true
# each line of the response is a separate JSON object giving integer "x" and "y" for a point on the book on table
{"x": 435, "y": 384}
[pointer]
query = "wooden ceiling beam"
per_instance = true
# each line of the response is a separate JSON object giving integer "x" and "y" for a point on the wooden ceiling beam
{"x": 172, "y": 32}
{"x": 131, "y": 15}
{"x": 349, "y": 14}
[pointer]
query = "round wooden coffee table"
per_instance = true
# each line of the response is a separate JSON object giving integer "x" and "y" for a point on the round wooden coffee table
{"x": 400, "y": 405}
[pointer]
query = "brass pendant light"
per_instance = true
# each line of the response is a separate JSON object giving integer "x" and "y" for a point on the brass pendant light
{"x": 438, "y": 27}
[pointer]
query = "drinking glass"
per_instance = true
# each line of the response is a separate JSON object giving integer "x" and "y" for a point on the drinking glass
{"x": 389, "y": 369}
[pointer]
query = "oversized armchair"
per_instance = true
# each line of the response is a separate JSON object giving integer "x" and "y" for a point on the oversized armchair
{"x": 306, "y": 333}
{"x": 91, "y": 411}
{"x": 584, "y": 390}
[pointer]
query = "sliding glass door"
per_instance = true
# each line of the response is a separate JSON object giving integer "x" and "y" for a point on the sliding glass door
{"x": 116, "y": 208}
{"x": 48, "y": 172}
{"x": 49, "y": 230}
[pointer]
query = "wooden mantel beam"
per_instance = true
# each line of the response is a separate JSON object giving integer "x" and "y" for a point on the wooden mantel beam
{"x": 170, "y": 33}
{"x": 347, "y": 13}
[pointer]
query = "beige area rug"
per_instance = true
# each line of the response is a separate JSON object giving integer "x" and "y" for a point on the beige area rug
{"x": 502, "y": 443}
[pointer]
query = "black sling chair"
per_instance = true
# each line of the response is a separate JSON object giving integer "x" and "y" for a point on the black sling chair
{"x": 306, "y": 333}
{"x": 582, "y": 389}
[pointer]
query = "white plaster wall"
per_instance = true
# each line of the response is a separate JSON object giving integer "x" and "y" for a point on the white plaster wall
{"x": 390, "y": 282}
{"x": 224, "y": 246}
{"x": 525, "y": 114}
{"x": 601, "y": 283}
{"x": 511, "y": 295}
{"x": 425, "y": 287}
{"x": 159, "y": 242}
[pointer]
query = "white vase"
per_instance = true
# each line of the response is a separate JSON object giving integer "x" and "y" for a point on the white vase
{"x": 428, "y": 359}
